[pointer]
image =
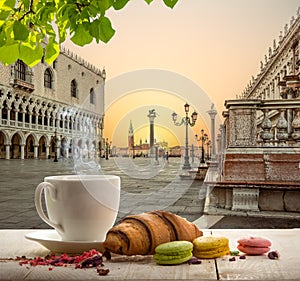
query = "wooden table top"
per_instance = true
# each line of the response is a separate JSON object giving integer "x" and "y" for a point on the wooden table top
{"x": 286, "y": 241}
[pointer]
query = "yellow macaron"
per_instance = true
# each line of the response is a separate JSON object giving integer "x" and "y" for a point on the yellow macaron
{"x": 210, "y": 247}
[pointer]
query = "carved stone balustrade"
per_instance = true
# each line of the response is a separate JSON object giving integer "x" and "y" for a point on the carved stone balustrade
{"x": 259, "y": 168}
{"x": 248, "y": 119}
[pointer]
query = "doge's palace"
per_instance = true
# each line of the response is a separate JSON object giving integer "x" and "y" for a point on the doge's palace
{"x": 51, "y": 110}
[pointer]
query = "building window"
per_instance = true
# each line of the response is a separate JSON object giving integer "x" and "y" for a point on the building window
{"x": 54, "y": 64}
{"x": 92, "y": 96}
{"x": 20, "y": 70}
{"x": 73, "y": 88}
{"x": 48, "y": 78}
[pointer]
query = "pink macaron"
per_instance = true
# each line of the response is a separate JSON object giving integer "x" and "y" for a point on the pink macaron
{"x": 254, "y": 245}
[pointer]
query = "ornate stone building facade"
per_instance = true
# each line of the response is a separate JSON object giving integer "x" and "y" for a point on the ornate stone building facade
{"x": 258, "y": 155}
{"x": 51, "y": 110}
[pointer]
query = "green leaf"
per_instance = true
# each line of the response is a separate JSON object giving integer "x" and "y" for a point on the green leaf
{"x": 9, "y": 3}
{"x": 62, "y": 31}
{"x": 2, "y": 39}
{"x": 94, "y": 30}
{"x": 31, "y": 56}
{"x": 52, "y": 51}
{"x": 105, "y": 29}
{"x": 4, "y": 14}
{"x": 119, "y": 4}
{"x": 9, "y": 53}
{"x": 26, "y": 4}
{"x": 170, "y": 3}
{"x": 21, "y": 32}
{"x": 81, "y": 36}
{"x": 93, "y": 10}
{"x": 103, "y": 6}
{"x": 148, "y": 1}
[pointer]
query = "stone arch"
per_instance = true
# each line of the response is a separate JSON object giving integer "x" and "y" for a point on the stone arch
{"x": 6, "y": 137}
{"x": 17, "y": 139}
{"x": 31, "y": 142}
{"x": 35, "y": 138}
{"x": 21, "y": 135}
{"x": 4, "y": 140}
{"x": 42, "y": 148}
{"x": 49, "y": 78}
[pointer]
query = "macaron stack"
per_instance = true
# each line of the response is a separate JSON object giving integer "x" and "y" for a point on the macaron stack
{"x": 208, "y": 247}
{"x": 175, "y": 252}
{"x": 254, "y": 245}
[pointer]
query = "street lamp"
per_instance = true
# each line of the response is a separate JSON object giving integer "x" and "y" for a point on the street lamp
{"x": 106, "y": 149}
{"x": 55, "y": 139}
{"x": 186, "y": 121}
{"x": 203, "y": 138}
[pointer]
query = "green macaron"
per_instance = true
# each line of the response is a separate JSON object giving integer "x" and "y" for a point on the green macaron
{"x": 175, "y": 252}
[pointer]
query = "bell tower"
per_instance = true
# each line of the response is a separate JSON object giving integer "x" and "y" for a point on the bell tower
{"x": 130, "y": 136}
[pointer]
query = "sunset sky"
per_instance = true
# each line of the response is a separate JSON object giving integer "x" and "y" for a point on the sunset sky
{"x": 201, "y": 52}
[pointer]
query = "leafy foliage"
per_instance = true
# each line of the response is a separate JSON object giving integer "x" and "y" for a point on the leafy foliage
{"x": 32, "y": 29}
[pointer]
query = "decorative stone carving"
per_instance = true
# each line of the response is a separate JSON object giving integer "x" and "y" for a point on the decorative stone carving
{"x": 282, "y": 126}
{"x": 245, "y": 199}
{"x": 296, "y": 126}
{"x": 242, "y": 124}
{"x": 266, "y": 125}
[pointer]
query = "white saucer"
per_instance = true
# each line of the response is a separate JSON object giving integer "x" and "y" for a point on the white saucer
{"x": 52, "y": 241}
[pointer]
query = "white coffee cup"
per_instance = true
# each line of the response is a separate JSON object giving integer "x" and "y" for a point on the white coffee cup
{"x": 79, "y": 207}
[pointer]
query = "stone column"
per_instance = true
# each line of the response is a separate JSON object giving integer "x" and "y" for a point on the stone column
{"x": 36, "y": 120}
{"x": 68, "y": 124}
{"x": 63, "y": 123}
{"x": 48, "y": 121}
{"x": 151, "y": 116}
{"x": 8, "y": 116}
{"x": 23, "y": 119}
{"x": 22, "y": 151}
{"x": 16, "y": 118}
{"x": 57, "y": 121}
{"x": 7, "y": 151}
{"x": 212, "y": 114}
{"x": 289, "y": 113}
{"x": 43, "y": 116}
{"x": 47, "y": 151}
{"x": 35, "y": 152}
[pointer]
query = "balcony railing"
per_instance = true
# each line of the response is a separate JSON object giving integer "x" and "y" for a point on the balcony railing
{"x": 45, "y": 128}
{"x": 23, "y": 85}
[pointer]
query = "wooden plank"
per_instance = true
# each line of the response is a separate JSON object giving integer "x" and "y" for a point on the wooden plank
{"x": 286, "y": 241}
{"x": 14, "y": 244}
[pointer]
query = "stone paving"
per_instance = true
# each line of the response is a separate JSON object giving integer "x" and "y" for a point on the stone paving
{"x": 142, "y": 191}
{"x": 146, "y": 185}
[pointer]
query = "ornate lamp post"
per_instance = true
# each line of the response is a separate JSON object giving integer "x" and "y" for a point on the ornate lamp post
{"x": 186, "y": 121}
{"x": 107, "y": 149}
{"x": 55, "y": 139}
{"x": 203, "y": 139}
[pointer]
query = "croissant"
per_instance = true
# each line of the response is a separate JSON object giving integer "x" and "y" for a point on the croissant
{"x": 140, "y": 234}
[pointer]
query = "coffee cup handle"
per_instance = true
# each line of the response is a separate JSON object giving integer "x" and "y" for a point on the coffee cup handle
{"x": 38, "y": 203}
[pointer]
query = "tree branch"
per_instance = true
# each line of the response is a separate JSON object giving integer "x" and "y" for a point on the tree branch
{"x": 30, "y": 11}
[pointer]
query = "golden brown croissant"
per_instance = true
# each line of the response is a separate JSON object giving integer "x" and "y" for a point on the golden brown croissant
{"x": 140, "y": 234}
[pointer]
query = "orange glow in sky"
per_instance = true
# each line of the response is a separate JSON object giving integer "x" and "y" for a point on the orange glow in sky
{"x": 216, "y": 44}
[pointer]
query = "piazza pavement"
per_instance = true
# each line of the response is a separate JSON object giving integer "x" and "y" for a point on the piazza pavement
{"x": 146, "y": 185}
